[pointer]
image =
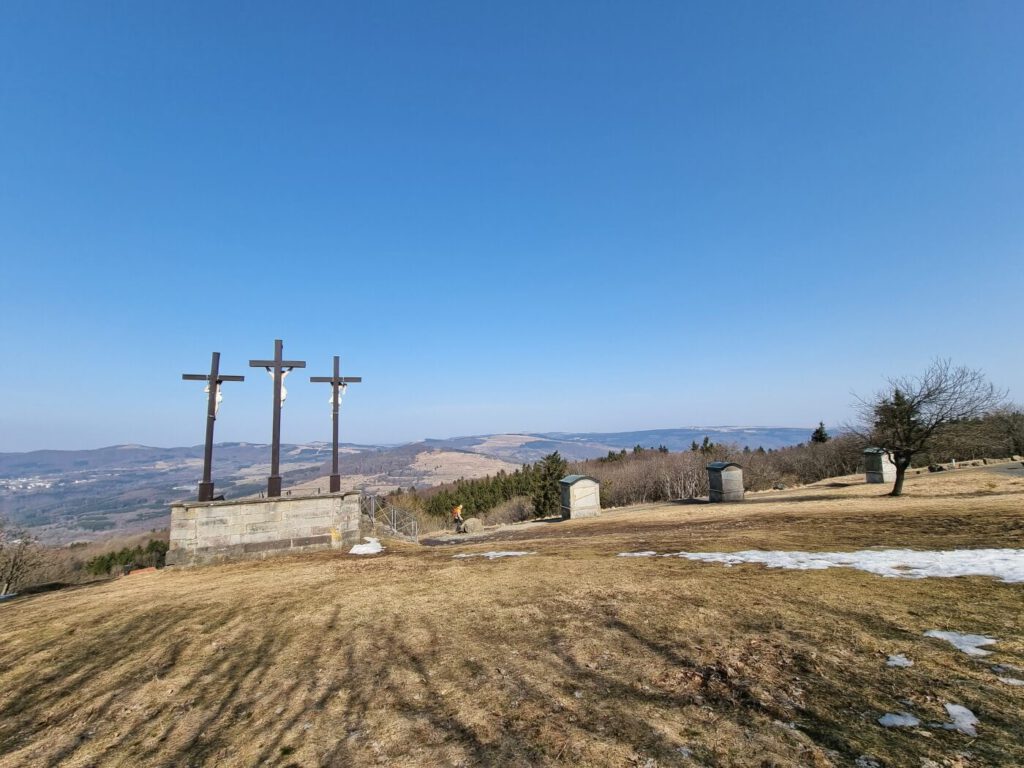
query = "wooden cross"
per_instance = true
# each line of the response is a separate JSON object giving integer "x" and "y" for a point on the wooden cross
{"x": 276, "y": 366}
{"x": 336, "y": 381}
{"x": 213, "y": 385}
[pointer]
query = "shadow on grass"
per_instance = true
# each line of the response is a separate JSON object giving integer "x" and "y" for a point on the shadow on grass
{"x": 205, "y": 682}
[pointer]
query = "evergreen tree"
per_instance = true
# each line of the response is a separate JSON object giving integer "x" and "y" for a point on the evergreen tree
{"x": 547, "y": 495}
{"x": 820, "y": 435}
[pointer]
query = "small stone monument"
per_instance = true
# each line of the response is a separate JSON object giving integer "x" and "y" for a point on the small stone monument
{"x": 725, "y": 479}
{"x": 877, "y": 466}
{"x": 581, "y": 496}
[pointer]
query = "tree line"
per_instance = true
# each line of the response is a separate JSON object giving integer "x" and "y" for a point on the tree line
{"x": 537, "y": 482}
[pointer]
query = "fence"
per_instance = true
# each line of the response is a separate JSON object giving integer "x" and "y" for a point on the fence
{"x": 383, "y": 515}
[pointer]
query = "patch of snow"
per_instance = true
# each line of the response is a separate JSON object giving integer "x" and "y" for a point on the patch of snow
{"x": 899, "y": 660}
{"x": 969, "y": 644}
{"x": 493, "y": 555}
{"x": 866, "y": 762}
{"x": 373, "y": 547}
{"x": 1010, "y": 680}
{"x": 1004, "y": 669}
{"x": 648, "y": 553}
{"x": 1005, "y": 564}
{"x": 892, "y": 720}
{"x": 963, "y": 720}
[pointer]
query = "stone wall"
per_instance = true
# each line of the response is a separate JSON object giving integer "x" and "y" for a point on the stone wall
{"x": 217, "y": 531}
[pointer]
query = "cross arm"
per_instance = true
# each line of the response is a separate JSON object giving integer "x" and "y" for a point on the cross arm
{"x": 206, "y": 377}
{"x": 275, "y": 363}
{"x": 339, "y": 380}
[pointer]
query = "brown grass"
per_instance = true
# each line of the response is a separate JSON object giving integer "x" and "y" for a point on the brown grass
{"x": 568, "y": 657}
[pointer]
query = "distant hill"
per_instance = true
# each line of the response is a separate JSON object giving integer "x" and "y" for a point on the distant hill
{"x": 576, "y": 446}
{"x": 80, "y": 495}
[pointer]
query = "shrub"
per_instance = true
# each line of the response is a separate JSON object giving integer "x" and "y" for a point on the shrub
{"x": 514, "y": 510}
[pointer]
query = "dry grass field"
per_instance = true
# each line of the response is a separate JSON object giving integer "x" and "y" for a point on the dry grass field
{"x": 569, "y": 656}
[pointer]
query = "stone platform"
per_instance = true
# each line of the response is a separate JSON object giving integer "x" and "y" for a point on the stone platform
{"x": 220, "y": 531}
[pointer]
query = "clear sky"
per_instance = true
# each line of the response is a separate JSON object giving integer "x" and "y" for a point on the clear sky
{"x": 527, "y": 216}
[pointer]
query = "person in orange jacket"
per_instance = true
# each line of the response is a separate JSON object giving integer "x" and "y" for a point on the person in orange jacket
{"x": 457, "y": 518}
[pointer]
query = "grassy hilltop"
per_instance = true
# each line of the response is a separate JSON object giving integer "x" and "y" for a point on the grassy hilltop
{"x": 569, "y": 656}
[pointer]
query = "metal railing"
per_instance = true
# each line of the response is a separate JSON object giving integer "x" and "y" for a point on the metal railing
{"x": 391, "y": 520}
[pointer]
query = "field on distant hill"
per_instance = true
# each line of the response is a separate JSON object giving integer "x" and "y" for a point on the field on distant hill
{"x": 571, "y": 655}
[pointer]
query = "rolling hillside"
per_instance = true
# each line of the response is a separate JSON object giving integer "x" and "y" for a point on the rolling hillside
{"x": 65, "y": 496}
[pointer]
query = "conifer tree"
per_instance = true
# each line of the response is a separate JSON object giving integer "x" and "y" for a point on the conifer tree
{"x": 820, "y": 435}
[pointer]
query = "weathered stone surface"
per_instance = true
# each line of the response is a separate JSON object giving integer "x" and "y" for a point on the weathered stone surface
{"x": 877, "y": 467}
{"x": 580, "y": 497}
{"x": 472, "y": 525}
{"x": 217, "y": 531}
{"x": 725, "y": 481}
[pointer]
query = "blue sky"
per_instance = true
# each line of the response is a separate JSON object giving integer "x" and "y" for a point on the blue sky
{"x": 519, "y": 217}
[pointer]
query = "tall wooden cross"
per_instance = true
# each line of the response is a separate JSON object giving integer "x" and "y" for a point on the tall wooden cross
{"x": 276, "y": 367}
{"x": 213, "y": 386}
{"x": 336, "y": 381}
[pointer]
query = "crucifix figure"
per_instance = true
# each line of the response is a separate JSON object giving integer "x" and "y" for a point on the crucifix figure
{"x": 276, "y": 367}
{"x": 213, "y": 382}
{"x": 338, "y": 385}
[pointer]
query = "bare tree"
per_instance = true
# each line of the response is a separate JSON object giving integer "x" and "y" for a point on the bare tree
{"x": 19, "y": 556}
{"x": 1009, "y": 422}
{"x": 903, "y": 418}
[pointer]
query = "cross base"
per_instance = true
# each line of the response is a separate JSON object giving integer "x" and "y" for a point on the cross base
{"x": 273, "y": 486}
{"x": 206, "y": 491}
{"x": 335, "y": 483}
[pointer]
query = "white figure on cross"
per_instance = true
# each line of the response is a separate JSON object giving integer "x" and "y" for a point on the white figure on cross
{"x": 340, "y": 390}
{"x": 216, "y": 405}
{"x": 284, "y": 392}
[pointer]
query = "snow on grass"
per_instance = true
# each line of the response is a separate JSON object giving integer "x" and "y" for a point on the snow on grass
{"x": 898, "y": 660}
{"x": 1005, "y": 564}
{"x": 969, "y": 644}
{"x": 1005, "y": 672}
{"x": 647, "y": 553}
{"x": 373, "y": 547}
{"x": 892, "y": 720}
{"x": 493, "y": 555}
{"x": 963, "y": 720}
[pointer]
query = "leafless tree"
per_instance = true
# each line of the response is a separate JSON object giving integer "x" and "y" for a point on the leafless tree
{"x": 19, "y": 556}
{"x": 905, "y": 416}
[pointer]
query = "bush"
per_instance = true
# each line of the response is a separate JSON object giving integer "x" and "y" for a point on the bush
{"x": 515, "y": 510}
{"x": 153, "y": 555}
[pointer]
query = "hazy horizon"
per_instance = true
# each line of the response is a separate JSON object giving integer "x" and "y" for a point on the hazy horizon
{"x": 218, "y": 441}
